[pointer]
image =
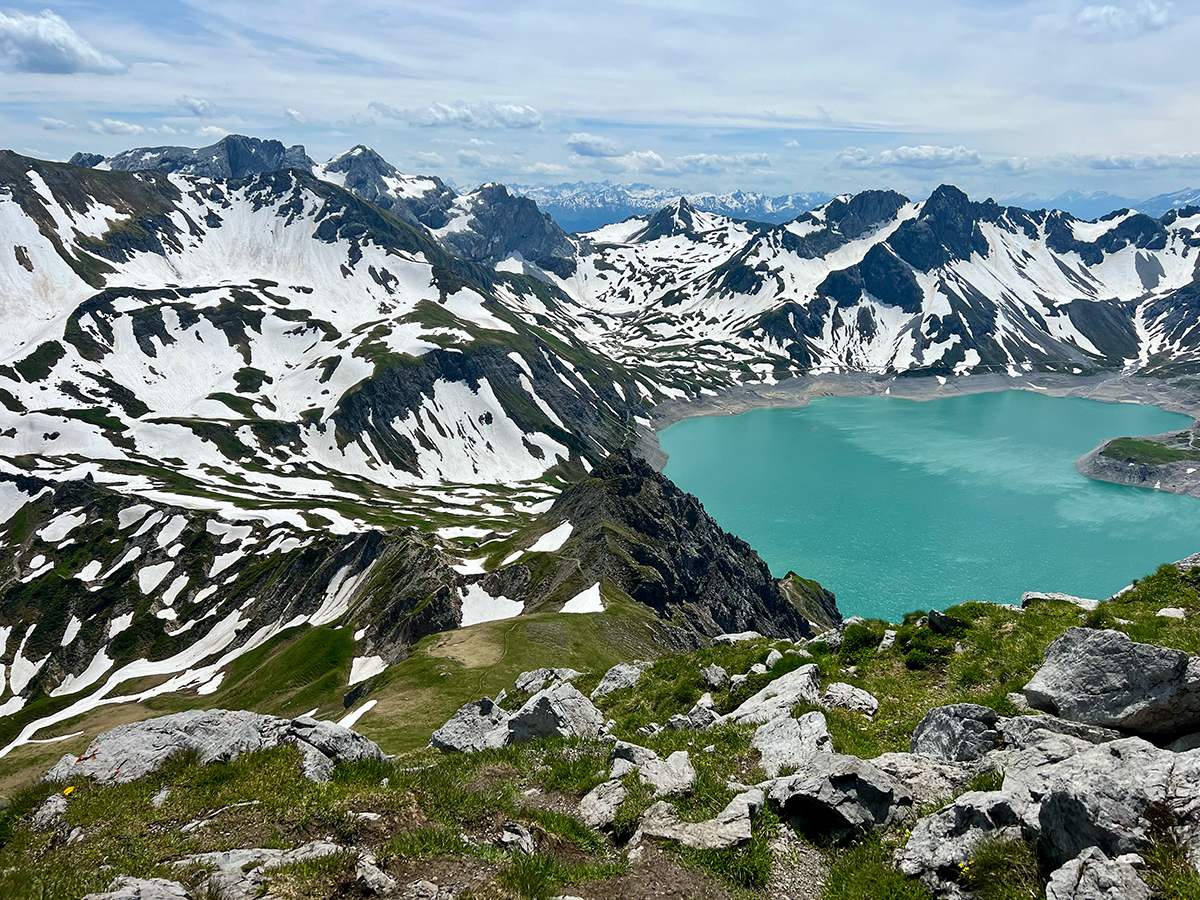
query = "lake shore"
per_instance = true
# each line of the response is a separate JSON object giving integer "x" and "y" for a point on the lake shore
{"x": 1108, "y": 388}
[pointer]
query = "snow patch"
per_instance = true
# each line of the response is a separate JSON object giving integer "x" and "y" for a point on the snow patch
{"x": 479, "y": 606}
{"x": 588, "y": 601}
{"x": 364, "y": 667}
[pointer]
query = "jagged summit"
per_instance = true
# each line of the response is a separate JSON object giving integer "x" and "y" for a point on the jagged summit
{"x": 234, "y": 156}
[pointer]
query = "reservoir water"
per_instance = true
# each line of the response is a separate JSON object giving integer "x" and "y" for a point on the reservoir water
{"x": 897, "y": 505}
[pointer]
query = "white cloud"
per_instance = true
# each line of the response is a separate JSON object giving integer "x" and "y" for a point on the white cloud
{"x": 792, "y": 143}
{"x": 432, "y": 158}
{"x": 1146, "y": 161}
{"x": 46, "y": 43}
{"x": 216, "y": 132}
{"x": 115, "y": 126}
{"x": 924, "y": 156}
{"x": 197, "y": 106}
{"x": 463, "y": 115}
{"x": 294, "y": 116}
{"x": 1113, "y": 22}
{"x": 542, "y": 168}
{"x": 649, "y": 162}
{"x": 586, "y": 144}
{"x": 50, "y": 124}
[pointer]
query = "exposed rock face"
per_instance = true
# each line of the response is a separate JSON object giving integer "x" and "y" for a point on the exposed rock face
{"x": 838, "y": 795}
{"x": 732, "y": 826}
{"x": 930, "y": 780}
{"x": 242, "y": 874}
{"x": 1068, "y": 796}
{"x": 1093, "y": 876}
{"x": 961, "y": 732}
{"x": 49, "y": 815}
{"x": 779, "y": 697}
{"x": 1102, "y": 677}
{"x": 787, "y": 743}
{"x": 126, "y": 888}
{"x": 499, "y": 225}
{"x": 636, "y": 530}
{"x": 715, "y": 677}
{"x": 234, "y": 156}
{"x": 132, "y": 751}
{"x": 699, "y": 717}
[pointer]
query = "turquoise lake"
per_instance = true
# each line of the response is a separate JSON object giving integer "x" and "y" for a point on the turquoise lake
{"x": 896, "y": 505}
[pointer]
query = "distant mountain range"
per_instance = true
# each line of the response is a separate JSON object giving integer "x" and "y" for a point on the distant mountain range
{"x": 1094, "y": 204}
{"x": 586, "y": 206}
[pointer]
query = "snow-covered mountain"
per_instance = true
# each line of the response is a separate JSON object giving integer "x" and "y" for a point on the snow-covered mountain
{"x": 337, "y": 395}
{"x": 1162, "y": 204}
{"x": 585, "y": 206}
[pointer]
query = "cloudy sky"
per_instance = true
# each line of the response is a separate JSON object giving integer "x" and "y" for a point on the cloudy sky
{"x": 1002, "y": 97}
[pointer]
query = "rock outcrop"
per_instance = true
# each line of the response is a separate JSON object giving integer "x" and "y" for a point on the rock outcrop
{"x": 778, "y": 698}
{"x": 836, "y": 796}
{"x": 1102, "y": 677}
{"x": 961, "y": 732}
{"x": 730, "y": 827}
{"x": 787, "y": 743}
{"x": 129, "y": 752}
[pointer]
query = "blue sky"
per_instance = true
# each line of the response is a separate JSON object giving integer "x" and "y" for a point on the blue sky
{"x": 1002, "y": 98}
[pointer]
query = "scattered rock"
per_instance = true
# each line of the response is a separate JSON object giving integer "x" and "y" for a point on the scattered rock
{"x": 773, "y": 659}
{"x": 832, "y": 639}
{"x": 716, "y": 677}
{"x": 532, "y": 682}
{"x": 517, "y": 836}
{"x": 131, "y": 751}
{"x": 127, "y": 888}
{"x": 1093, "y": 876}
{"x": 940, "y": 623}
{"x": 50, "y": 814}
{"x": 888, "y": 642}
{"x": 371, "y": 878}
{"x": 787, "y": 743}
{"x": 779, "y": 697}
{"x": 737, "y": 682}
{"x": 838, "y": 795}
{"x": 635, "y": 754}
{"x": 1172, "y": 612}
{"x": 599, "y": 807}
{"x": 620, "y": 676}
{"x": 242, "y": 874}
{"x": 731, "y": 826}
{"x": 160, "y": 798}
{"x": 757, "y": 669}
{"x": 960, "y": 732}
{"x": 556, "y": 711}
{"x": 1035, "y": 596}
{"x": 467, "y": 729}
{"x": 847, "y": 696}
{"x": 699, "y": 717}
{"x": 736, "y": 638}
{"x": 1101, "y": 677}
{"x": 670, "y": 777}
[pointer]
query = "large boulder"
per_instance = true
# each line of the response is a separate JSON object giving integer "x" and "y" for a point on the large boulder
{"x": 243, "y": 874}
{"x": 619, "y": 677}
{"x": 467, "y": 729}
{"x": 556, "y": 711}
{"x": 699, "y": 717}
{"x": 131, "y": 751}
{"x": 960, "y": 732}
{"x": 1093, "y": 876}
{"x": 732, "y": 826}
{"x": 837, "y": 795}
{"x": 779, "y": 697}
{"x": 787, "y": 743}
{"x": 1022, "y": 732}
{"x": 1102, "y": 677}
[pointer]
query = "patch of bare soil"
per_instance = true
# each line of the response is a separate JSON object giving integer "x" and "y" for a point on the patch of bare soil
{"x": 800, "y": 869}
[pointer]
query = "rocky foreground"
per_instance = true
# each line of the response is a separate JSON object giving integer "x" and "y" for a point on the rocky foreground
{"x": 754, "y": 767}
